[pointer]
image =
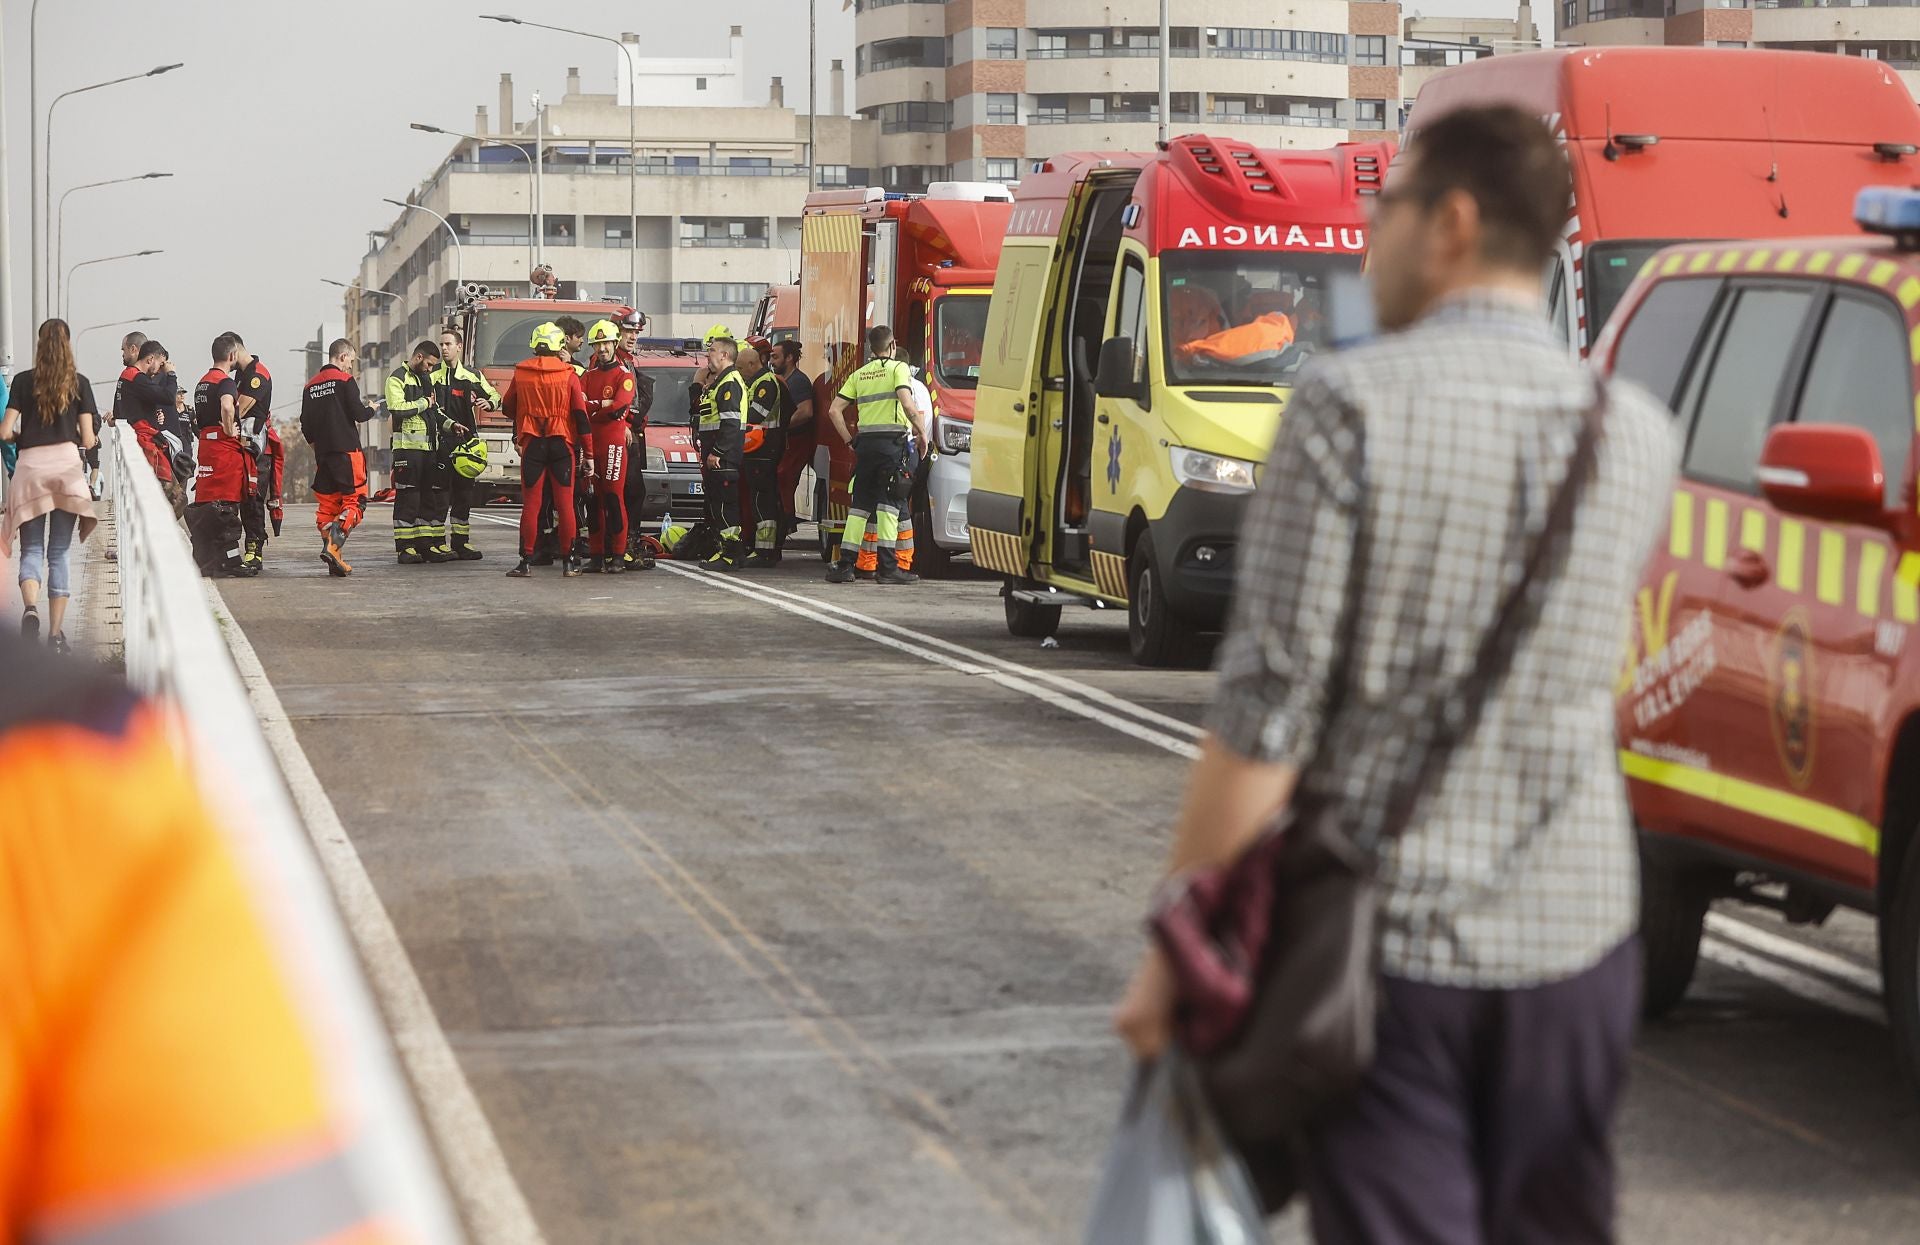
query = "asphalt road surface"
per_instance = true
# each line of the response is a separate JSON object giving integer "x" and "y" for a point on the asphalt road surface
{"x": 762, "y": 909}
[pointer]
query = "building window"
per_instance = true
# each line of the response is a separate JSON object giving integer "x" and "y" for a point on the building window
{"x": 912, "y": 116}
{"x": 1003, "y": 170}
{"x": 1049, "y": 46}
{"x": 1369, "y": 114}
{"x": 617, "y": 233}
{"x": 719, "y": 297}
{"x": 1369, "y": 49}
{"x": 1003, "y": 110}
{"x": 698, "y": 231}
{"x": 1003, "y": 44}
{"x": 835, "y": 175}
{"x": 1049, "y": 108}
{"x": 699, "y": 84}
{"x": 1249, "y": 43}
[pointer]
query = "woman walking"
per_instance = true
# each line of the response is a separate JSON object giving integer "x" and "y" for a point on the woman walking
{"x": 50, "y": 416}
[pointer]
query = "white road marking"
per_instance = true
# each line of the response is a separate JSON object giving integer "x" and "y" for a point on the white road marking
{"x": 1836, "y": 968}
{"x": 1731, "y": 944}
{"x": 978, "y": 665}
{"x": 1806, "y": 986}
{"x": 491, "y": 1203}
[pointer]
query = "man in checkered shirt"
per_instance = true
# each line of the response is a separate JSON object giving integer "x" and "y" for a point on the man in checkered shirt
{"x": 1510, "y": 971}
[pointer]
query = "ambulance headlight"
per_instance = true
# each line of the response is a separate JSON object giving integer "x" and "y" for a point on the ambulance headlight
{"x": 656, "y": 458}
{"x": 953, "y": 436}
{"x": 1211, "y": 473}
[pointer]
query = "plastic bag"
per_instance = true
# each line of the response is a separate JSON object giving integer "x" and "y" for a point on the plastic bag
{"x": 1170, "y": 1178}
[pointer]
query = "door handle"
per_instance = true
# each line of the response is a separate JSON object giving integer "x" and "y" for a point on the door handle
{"x": 1102, "y": 417}
{"x": 1059, "y": 423}
{"x": 1019, "y": 408}
{"x": 1749, "y": 569}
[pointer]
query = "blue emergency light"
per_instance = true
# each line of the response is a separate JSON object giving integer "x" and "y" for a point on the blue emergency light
{"x": 1889, "y": 210}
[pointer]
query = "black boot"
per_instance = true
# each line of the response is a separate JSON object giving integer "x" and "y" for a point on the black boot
{"x": 521, "y": 570}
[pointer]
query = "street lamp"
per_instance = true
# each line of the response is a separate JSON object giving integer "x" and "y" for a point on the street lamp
{"x": 66, "y": 298}
{"x": 364, "y": 289}
{"x": 46, "y": 185}
{"x": 114, "y": 324}
{"x": 458, "y": 264}
{"x": 633, "y": 183}
{"x": 533, "y": 179}
{"x": 60, "y": 224}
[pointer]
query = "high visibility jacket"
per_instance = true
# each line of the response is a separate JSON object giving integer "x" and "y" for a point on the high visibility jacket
{"x": 722, "y": 411}
{"x": 159, "y": 1078}
{"x": 416, "y": 420}
{"x": 874, "y": 391}
{"x": 457, "y": 388}
{"x": 766, "y": 395}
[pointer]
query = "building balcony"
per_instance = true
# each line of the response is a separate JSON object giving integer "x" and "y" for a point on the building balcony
{"x": 725, "y": 243}
{"x": 1329, "y": 121}
{"x": 701, "y": 168}
{"x": 1119, "y": 118}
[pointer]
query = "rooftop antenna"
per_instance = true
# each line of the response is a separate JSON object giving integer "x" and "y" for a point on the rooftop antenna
{"x": 1773, "y": 156}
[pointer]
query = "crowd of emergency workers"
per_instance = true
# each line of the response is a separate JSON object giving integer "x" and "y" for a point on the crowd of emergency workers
{"x": 577, "y": 426}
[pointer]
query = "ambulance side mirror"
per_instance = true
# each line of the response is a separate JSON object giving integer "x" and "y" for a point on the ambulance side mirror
{"x": 1116, "y": 376}
{"x": 1824, "y": 471}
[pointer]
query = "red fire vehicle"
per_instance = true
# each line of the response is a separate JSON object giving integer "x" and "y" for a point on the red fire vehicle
{"x": 776, "y": 316}
{"x": 497, "y": 331}
{"x": 1678, "y": 144}
{"x": 923, "y": 265}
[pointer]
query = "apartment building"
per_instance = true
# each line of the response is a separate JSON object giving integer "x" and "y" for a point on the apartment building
{"x": 722, "y": 174}
{"x": 975, "y": 89}
{"x": 1431, "y": 44}
{"x": 1887, "y": 30}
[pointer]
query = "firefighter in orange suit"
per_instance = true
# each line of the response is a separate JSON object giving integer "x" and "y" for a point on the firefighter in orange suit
{"x": 159, "y": 1078}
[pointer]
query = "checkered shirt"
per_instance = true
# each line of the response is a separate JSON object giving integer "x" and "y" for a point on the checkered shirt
{"x": 1518, "y": 867}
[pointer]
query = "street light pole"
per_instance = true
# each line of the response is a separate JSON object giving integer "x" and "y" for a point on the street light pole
{"x": 33, "y": 176}
{"x": 458, "y": 264}
{"x": 6, "y": 231}
{"x": 66, "y": 298}
{"x": 633, "y": 155}
{"x": 113, "y": 324}
{"x": 46, "y": 173}
{"x": 533, "y": 174}
{"x": 60, "y": 217}
{"x": 1166, "y": 71}
{"x": 813, "y": 103}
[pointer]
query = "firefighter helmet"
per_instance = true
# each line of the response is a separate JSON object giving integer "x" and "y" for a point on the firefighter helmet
{"x": 470, "y": 458}
{"x": 715, "y": 333}
{"x": 603, "y": 331}
{"x": 550, "y": 336}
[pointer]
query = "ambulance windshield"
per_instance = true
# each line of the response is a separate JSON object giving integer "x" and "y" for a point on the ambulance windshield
{"x": 1244, "y": 318}
{"x": 960, "y": 328}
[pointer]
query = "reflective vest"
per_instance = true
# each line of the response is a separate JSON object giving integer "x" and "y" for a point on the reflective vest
{"x": 409, "y": 398}
{"x": 723, "y": 402}
{"x": 459, "y": 387}
{"x": 874, "y": 390}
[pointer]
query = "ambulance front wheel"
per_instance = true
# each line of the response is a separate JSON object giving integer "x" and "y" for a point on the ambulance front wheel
{"x": 1156, "y": 635}
{"x": 1673, "y": 916}
{"x": 1028, "y": 620}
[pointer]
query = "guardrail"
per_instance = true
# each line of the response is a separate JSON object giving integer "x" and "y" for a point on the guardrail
{"x": 176, "y": 654}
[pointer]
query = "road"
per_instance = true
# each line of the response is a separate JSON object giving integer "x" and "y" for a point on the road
{"x": 757, "y": 908}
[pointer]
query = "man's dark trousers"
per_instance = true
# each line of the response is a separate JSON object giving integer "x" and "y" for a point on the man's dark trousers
{"x": 1485, "y": 1118}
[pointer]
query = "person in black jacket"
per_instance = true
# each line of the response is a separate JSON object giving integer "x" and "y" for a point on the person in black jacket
{"x": 331, "y": 412}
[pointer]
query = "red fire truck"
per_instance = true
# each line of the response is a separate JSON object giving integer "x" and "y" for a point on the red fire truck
{"x": 923, "y": 265}
{"x": 497, "y": 331}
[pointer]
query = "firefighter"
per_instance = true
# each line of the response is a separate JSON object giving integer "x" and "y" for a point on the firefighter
{"x": 419, "y": 429}
{"x": 331, "y": 412}
{"x": 222, "y": 480}
{"x": 638, "y": 554}
{"x": 760, "y": 462}
{"x": 797, "y": 427}
{"x": 463, "y": 393}
{"x": 881, "y": 396}
{"x": 144, "y": 402}
{"x": 719, "y": 400}
{"x": 610, "y": 392}
{"x": 253, "y": 405}
{"x": 549, "y": 412}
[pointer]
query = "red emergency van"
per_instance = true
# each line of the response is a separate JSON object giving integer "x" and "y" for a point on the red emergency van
{"x": 1680, "y": 144}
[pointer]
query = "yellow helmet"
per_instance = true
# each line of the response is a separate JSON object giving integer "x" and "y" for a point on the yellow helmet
{"x": 550, "y": 336}
{"x": 603, "y": 331}
{"x": 715, "y": 333}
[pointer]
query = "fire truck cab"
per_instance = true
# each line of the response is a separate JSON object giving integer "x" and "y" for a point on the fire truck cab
{"x": 1677, "y": 144}
{"x": 1149, "y": 315}
{"x": 923, "y": 266}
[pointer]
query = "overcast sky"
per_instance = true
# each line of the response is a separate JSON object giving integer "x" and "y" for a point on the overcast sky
{"x": 286, "y": 129}
{"x": 289, "y": 125}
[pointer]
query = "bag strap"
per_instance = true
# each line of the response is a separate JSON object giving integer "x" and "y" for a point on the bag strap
{"x": 1458, "y": 708}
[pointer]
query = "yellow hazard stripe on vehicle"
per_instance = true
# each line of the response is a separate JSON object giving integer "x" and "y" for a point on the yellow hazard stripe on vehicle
{"x": 1847, "y": 568}
{"x": 1752, "y": 798}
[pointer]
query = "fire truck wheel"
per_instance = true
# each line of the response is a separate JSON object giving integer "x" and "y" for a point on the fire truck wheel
{"x": 1673, "y": 915}
{"x": 1156, "y": 635}
{"x": 1027, "y": 620}
{"x": 1900, "y": 964}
